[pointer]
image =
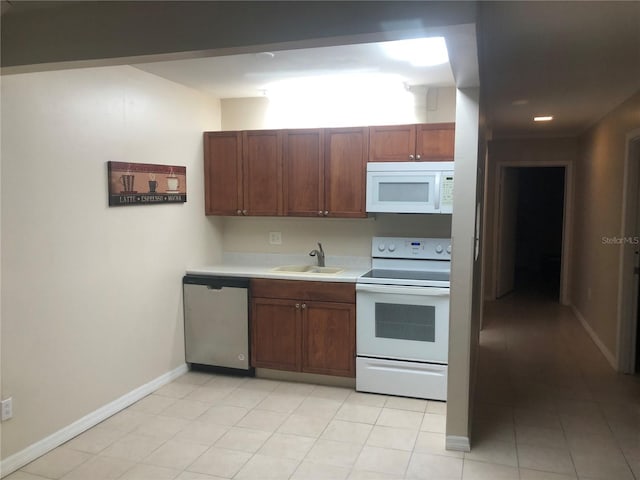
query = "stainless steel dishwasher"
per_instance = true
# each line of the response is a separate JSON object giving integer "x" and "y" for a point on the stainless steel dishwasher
{"x": 216, "y": 323}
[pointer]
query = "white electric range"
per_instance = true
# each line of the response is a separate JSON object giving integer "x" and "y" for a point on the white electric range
{"x": 402, "y": 318}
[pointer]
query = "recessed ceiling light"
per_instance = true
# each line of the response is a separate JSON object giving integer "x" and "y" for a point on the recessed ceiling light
{"x": 546, "y": 118}
{"x": 419, "y": 52}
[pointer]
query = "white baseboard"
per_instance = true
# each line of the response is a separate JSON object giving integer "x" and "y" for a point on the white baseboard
{"x": 611, "y": 358}
{"x": 458, "y": 444}
{"x": 20, "y": 459}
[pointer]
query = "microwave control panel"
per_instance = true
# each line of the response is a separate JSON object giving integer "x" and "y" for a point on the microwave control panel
{"x": 446, "y": 190}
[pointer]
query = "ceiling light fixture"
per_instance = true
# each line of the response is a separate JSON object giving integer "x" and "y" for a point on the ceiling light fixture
{"x": 419, "y": 52}
{"x": 546, "y": 118}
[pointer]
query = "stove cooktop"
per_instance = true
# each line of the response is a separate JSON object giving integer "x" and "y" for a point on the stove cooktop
{"x": 406, "y": 275}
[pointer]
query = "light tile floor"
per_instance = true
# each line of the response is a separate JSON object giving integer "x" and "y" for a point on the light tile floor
{"x": 548, "y": 407}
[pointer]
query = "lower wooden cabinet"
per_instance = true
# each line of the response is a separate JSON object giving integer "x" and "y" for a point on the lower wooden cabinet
{"x": 328, "y": 338}
{"x": 275, "y": 334}
{"x": 292, "y": 331}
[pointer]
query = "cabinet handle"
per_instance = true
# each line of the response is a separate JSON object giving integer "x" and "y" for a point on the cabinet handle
{"x": 239, "y": 212}
{"x": 319, "y": 213}
{"x": 304, "y": 305}
{"x": 410, "y": 157}
{"x": 297, "y": 305}
{"x": 417, "y": 157}
{"x": 326, "y": 212}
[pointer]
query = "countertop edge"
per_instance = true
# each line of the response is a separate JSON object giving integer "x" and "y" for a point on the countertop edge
{"x": 349, "y": 275}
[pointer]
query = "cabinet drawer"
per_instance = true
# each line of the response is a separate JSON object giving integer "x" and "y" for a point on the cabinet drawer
{"x": 303, "y": 290}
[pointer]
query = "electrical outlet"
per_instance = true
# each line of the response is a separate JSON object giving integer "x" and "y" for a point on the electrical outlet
{"x": 7, "y": 408}
{"x": 275, "y": 238}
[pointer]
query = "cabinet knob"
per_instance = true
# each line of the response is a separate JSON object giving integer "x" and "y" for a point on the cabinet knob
{"x": 320, "y": 213}
{"x": 326, "y": 212}
{"x": 410, "y": 157}
{"x": 297, "y": 305}
{"x": 244, "y": 212}
{"x": 239, "y": 212}
{"x": 417, "y": 157}
{"x": 304, "y": 305}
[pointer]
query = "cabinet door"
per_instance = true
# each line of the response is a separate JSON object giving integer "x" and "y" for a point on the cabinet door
{"x": 435, "y": 141}
{"x": 303, "y": 172}
{"x": 394, "y": 143}
{"x": 275, "y": 334}
{"x": 328, "y": 338}
{"x": 346, "y": 153}
{"x": 222, "y": 173}
{"x": 262, "y": 172}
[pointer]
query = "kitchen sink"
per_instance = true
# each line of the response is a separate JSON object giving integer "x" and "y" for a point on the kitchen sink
{"x": 308, "y": 269}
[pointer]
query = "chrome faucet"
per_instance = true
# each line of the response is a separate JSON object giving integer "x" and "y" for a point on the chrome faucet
{"x": 319, "y": 253}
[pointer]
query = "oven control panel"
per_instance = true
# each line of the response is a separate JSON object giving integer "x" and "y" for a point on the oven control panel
{"x": 419, "y": 248}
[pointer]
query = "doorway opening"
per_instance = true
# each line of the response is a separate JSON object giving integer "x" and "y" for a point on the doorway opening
{"x": 531, "y": 220}
{"x": 539, "y": 230}
{"x": 629, "y": 299}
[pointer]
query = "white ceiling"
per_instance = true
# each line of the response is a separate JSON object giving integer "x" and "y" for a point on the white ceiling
{"x": 248, "y": 75}
{"x": 576, "y": 60}
{"x": 573, "y": 60}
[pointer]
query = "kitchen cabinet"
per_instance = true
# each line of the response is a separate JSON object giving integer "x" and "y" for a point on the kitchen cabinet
{"x": 346, "y": 152}
{"x": 303, "y": 326}
{"x": 423, "y": 142}
{"x": 243, "y": 173}
{"x": 303, "y": 172}
{"x": 325, "y": 172}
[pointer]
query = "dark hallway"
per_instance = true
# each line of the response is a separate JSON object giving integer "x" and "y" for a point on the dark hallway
{"x": 540, "y": 212}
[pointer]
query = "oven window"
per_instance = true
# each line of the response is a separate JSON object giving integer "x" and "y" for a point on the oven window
{"x": 406, "y": 322}
{"x": 404, "y": 192}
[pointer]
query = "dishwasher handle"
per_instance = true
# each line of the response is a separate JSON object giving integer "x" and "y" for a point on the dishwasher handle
{"x": 215, "y": 282}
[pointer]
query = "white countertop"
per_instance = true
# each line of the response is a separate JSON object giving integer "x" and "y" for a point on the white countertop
{"x": 261, "y": 265}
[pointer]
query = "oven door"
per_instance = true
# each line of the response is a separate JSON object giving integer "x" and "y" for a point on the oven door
{"x": 404, "y": 323}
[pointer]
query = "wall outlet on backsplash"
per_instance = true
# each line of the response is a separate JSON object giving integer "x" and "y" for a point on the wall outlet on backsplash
{"x": 275, "y": 238}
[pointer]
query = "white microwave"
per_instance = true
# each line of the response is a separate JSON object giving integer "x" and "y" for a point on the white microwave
{"x": 410, "y": 187}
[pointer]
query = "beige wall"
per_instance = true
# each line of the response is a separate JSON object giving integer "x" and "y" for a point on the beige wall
{"x": 598, "y": 195}
{"x": 91, "y": 295}
{"x": 527, "y": 152}
{"x": 432, "y": 105}
{"x": 463, "y": 266}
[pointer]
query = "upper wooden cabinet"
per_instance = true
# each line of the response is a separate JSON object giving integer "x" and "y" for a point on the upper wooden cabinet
{"x": 303, "y": 172}
{"x": 406, "y": 143}
{"x": 346, "y": 151}
{"x": 435, "y": 141}
{"x": 324, "y": 172}
{"x": 223, "y": 173}
{"x": 309, "y": 172}
{"x": 243, "y": 172}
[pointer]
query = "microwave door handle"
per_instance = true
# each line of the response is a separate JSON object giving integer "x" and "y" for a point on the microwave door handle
{"x": 436, "y": 193}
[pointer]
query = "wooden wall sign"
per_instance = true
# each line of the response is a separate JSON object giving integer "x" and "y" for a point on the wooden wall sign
{"x": 146, "y": 184}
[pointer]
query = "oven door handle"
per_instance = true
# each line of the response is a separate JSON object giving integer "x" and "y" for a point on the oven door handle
{"x": 402, "y": 290}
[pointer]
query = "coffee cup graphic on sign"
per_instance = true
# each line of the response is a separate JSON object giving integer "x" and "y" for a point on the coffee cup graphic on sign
{"x": 127, "y": 183}
{"x": 152, "y": 183}
{"x": 172, "y": 182}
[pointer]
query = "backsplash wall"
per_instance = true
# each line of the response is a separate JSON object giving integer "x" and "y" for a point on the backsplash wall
{"x": 339, "y": 236}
